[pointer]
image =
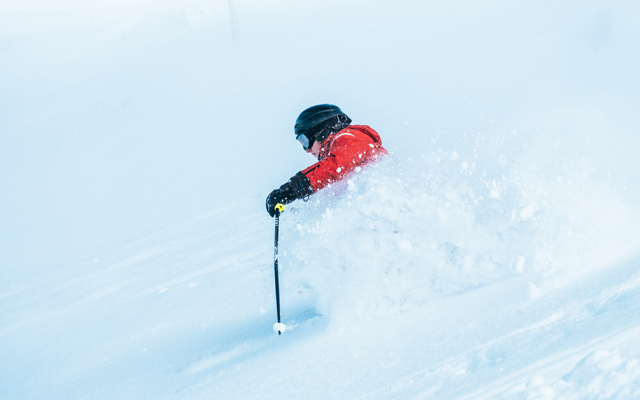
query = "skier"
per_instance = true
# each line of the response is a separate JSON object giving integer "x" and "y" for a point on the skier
{"x": 325, "y": 131}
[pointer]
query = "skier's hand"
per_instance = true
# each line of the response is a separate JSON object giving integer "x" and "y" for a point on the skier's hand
{"x": 298, "y": 187}
{"x": 284, "y": 195}
{"x": 272, "y": 200}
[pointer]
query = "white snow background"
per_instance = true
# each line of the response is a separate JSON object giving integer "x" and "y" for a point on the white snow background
{"x": 495, "y": 254}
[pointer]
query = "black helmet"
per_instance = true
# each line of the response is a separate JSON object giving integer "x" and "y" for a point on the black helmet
{"x": 318, "y": 122}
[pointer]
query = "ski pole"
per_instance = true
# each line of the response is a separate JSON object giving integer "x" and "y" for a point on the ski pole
{"x": 278, "y": 326}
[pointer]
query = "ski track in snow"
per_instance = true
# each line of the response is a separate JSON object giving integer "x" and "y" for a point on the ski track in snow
{"x": 503, "y": 366}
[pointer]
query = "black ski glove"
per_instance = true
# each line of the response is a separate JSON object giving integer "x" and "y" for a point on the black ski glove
{"x": 298, "y": 187}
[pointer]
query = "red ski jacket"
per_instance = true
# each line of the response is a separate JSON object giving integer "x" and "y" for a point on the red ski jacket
{"x": 342, "y": 152}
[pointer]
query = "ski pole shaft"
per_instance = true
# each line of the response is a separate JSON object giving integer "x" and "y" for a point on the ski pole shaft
{"x": 279, "y": 208}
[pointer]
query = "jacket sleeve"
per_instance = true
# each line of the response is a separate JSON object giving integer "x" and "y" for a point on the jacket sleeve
{"x": 347, "y": 152}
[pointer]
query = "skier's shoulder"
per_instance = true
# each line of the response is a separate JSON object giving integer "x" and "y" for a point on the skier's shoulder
{"x": 363, "y": 129}
{"x": 352, "y": 139}
{"x": 356, "y": 133}
{"x": 360, "y": 133}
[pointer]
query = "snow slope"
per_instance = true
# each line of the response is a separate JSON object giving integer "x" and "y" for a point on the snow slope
{"x": 493, "y": 255}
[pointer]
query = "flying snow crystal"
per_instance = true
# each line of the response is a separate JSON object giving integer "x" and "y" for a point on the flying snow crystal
{"x": 534, "y": 291}
{"x": 494, "y": 193}
{"x": 528, "y": 212}
{"x": 520, "y": 264}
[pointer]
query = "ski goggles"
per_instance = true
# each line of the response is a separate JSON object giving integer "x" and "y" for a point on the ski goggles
{"x": 304, "y": 141}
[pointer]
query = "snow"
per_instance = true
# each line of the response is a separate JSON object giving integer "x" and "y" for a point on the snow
{"x": 279, "y": 327}
{"x": 494, "y": 254}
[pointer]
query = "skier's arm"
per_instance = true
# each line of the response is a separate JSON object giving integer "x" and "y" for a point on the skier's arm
{"x": 345, "y": 156}
{"x": 347, "y": 152}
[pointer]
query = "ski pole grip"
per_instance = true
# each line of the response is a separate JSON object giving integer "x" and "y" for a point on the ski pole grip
{"x": 279, "y": 207}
